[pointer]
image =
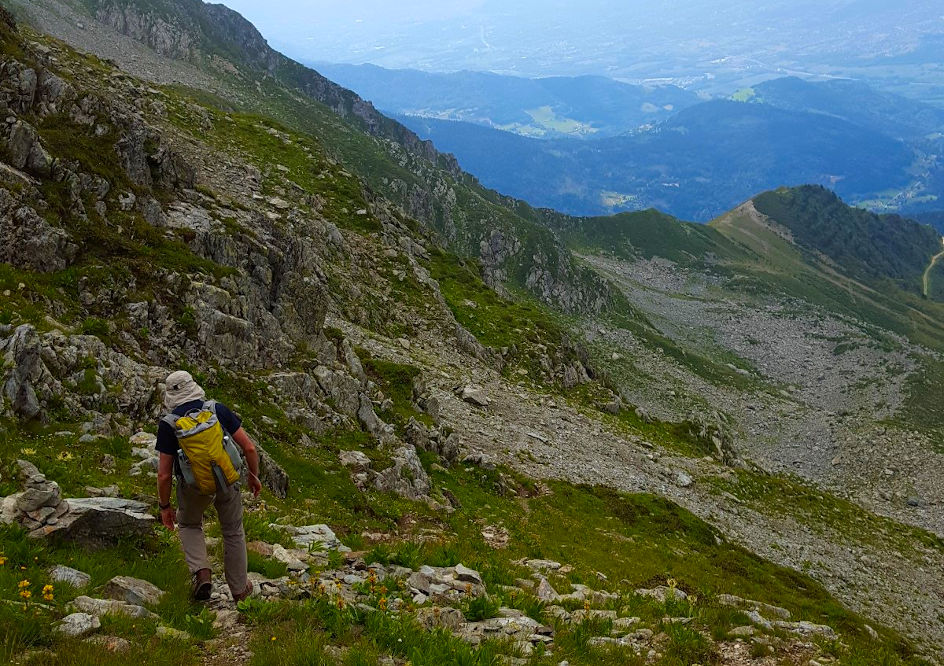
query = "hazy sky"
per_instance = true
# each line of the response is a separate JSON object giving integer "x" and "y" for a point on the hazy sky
{"x": 591, "y": 36}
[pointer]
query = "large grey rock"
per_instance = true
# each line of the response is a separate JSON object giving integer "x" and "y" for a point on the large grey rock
{"x": 78, "y": 624}
{"x": 767, "y": 609}
{"x": 133, "y": 590}
{"x": 322, "y": 535}
{"x": 96, "y": 522}
{"x": 356, "y": 460}
{"x": 440, "y": 617}
{"x": 340, "y": 389}
{"x": 370, "y": 421}
{"x": 25, "y": 150}
{"x": 32, "y": 499}
{"x": 289, "y": 559}
{"x": 544, "y": 590}
{"x": 804, "y": 628}
{"x": 405, "y": 477}
{"x": 63, "y": 574}
{"x": 99, "y": 607}
{"x": 473, "y": 396}
{"x": 467, "y": 575}
{"x": 25, "y": 370}
{"x": 29, "y": 242}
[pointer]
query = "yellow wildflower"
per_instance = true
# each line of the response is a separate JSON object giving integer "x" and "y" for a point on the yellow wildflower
{"x": 3, "y": 560}
{"x": 272, "y": 639}
{"x": 28, "y": 452}
{"x": 48, "y": 592}
{"x": 65, "y": 455}
{"x": 23, "y": 583}
{"x": 671, "y": 583}
{"x": 26, "y": 594}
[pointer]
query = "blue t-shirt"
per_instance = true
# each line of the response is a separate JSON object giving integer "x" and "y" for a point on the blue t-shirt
{"x": 167, "y": 438}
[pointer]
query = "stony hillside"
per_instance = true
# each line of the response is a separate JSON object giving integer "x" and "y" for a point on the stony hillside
{"x": 454, "y": 471}
{"x": 210, "y": 51}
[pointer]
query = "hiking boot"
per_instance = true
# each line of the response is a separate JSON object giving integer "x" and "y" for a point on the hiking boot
{"x": 202, "y": 585}
{"x": 245, "y": 594}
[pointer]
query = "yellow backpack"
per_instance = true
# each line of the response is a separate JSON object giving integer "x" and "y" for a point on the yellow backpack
{"x": 208, "y": 458}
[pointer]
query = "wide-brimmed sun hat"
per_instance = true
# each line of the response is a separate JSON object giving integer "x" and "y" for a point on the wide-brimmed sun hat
{"x": 181, "y": 388}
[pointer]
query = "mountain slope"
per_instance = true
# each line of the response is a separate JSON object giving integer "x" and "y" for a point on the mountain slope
{"x": 427, "y": 185}
{"x": 425, "y": 416}
{"x": 854, "y": 101}
{"x": 864, "y": 244}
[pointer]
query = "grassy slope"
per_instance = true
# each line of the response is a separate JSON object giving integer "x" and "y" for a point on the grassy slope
{"x": 634, "y": 540}
{"x": 649, "y": 234}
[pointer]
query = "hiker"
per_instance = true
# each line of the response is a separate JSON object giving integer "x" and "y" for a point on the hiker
{"x": 195, "y": 441}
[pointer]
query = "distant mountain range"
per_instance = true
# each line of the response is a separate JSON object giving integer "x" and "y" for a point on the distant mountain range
{"x": 693, "y": 159}
{"x": 552, "y": 107}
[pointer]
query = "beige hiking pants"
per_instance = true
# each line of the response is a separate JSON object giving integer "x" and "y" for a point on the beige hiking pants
{"x": 229, "y": 507}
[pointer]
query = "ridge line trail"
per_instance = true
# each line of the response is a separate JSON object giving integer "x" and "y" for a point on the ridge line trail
{"x": 926, "y": 278}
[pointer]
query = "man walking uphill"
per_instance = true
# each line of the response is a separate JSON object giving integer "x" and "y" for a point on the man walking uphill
{"x": 196, "y": 444}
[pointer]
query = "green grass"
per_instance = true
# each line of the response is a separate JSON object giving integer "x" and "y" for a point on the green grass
{"x": 794, "y": 497}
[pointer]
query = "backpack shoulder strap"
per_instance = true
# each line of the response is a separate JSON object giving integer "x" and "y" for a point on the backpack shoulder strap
{"x": 210, "y": 405}
{"x": 171, "y": 420}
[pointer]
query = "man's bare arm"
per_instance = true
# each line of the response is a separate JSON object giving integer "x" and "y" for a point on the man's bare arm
{"x": 248, "y": 447}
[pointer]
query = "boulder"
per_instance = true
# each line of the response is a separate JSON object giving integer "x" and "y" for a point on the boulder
{"x": 804, "y": 628}
{"x": 661, "y": 593}
{"x": 78, "y": 624}
{"x": 96, "y": 522}
{"x": 767, "y": 609}
{"x": 544, "y": 590}
{"x": 372, "y": 423}
{"x": 25, "y": 371}
{"x": 133, "y": 591}
{"x": 473, "y": 396}
{"x": 291, "y": 561}
{"x": 29, "y": 242}
{"x": 405, "y": 477}
{"x": 309, "y": 535}
{"x": 99, "y": 607}
{"x": 356, "y": 460}
{"x": 440, "y": 617}
{"x": 467, "y": 575}
{"x": 63, "y": 574}
{"x": 26, "y": 151}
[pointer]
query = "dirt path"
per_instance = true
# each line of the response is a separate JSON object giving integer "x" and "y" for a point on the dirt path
{"x": 926, "y": 279}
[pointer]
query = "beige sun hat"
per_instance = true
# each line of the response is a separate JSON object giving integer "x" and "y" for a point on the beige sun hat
{"x": 180, "y": 388}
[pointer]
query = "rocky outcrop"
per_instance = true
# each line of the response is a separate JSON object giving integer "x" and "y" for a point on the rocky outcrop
{"x": 29, "y": 242}
{"x": 405, "y": 477}
{"x": 78, "y": 370}
{"x": 92, "y": 522}
{"x": 271, "y": 475}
